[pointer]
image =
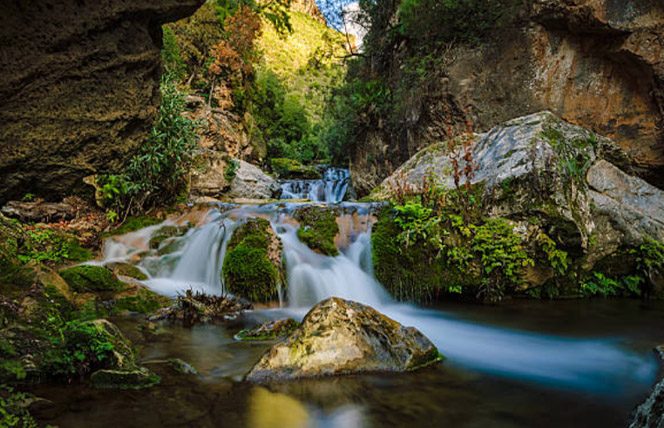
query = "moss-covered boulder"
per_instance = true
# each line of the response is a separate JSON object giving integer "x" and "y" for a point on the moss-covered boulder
{"x": 12, "y": 239}
{"x": 128, "y": 270}
{"x": 138, "y": 299}
{"x": 253, "y": 265}
{"x": 343, "y": 337}
{"x": 318, "y": 229}
{"x": 124, "y": 379}
{"x": 91, "y": 278}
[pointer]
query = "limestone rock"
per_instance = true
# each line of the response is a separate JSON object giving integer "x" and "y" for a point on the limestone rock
{"x": 251, "y": 182}
{"x": 342, "y": 337}
{"x": 79, "y": 88}
{"x": 270, "y": 330}
{"x": 650, "y": 414}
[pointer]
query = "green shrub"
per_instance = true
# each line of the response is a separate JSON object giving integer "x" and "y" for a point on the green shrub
{"x": 601, "y": 285}
{"x": 156, "y": 175}
{"x": 14, "y": 409}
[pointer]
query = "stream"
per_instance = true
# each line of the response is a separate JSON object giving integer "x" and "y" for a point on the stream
{"x": 524, "y": 363}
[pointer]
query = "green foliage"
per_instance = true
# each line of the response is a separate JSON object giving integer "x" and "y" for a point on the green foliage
{"x": 649, "y": 256}
{"x": 601, "y": 285}
{"x": 91, "y": 278}
{"x": 171, "y": 58}
{"x": 13, "y": 409}
{"x": 467, "y": 21}
{"x": 291, "y": 168}
{"x": 557, "y": 258}
{"x": 51, "y": 247}
{"x": 156, "y": 175}
{"x": 231, "y": 170}
{"x": 79, "y": 348}
{"x": 573, "y": 155}
{"x": 318, "y": 228}
{"x": 248, "y": 270}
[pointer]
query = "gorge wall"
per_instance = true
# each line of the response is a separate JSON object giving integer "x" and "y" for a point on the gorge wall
{"x": 595, "y": 63}
{"x": 79, "y": 88}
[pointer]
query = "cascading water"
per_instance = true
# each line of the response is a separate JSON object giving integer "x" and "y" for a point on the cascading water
{"x": 331, "y": 188}
{"x": 584, "y": 364}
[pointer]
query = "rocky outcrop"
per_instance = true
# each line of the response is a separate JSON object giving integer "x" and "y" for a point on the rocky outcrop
{"x": 540, "y": 167}
{"x": 79, "y": 88}
{"x": 342, "y": 337}
{"x": 650, "y": 414}
{"x": 597, "y": 64}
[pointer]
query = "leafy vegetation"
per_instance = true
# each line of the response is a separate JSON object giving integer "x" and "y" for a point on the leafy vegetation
{"x": 52, "y": 247}
{"x": 13, "y": 409}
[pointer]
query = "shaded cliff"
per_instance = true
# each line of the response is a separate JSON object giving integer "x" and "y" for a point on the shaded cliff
{"x": 595, "y": 63}
{"x": 79, "y": 88}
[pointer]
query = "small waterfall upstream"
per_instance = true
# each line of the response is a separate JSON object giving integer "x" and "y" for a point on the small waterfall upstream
{"x": 330, "y": 189}
{"x": 595, "y": 365}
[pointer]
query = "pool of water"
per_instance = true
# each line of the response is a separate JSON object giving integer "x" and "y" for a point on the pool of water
{"x": 450, "y": 394}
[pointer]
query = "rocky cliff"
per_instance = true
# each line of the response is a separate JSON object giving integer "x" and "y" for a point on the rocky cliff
{"x": 79, "y": 88}
{"x": 595, "y": 63}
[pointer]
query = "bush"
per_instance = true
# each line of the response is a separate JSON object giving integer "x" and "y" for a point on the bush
{"x": 157, "y": 174}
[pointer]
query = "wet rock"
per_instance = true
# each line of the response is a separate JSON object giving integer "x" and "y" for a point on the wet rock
{"x": 343, "y": 337}
{"x": 253, "y": 264}
{"x": 198, "y": 308}
{"x": 270, "y": 330}
{"x": 79, "y": 85}
{"x": 650, "y": 414}
{"x": 124, "y": 379}
{"x": 251, "y": 182}
{"x": 318, "y": 229}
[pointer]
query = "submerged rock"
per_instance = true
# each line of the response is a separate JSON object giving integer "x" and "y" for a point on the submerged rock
{"x": 124, "y": 379}
{"x": 343, "y": 337}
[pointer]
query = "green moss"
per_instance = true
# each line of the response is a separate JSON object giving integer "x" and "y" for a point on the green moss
{"x": 128, "y": 270}
{"x": 91, "y": 278}
{"x": 318, "y": 228}
{"x": 144, "y": 302}
{"x": 291, "y": 168}
{"x": 248, "y": 270}
{"x": 124, "y": 379}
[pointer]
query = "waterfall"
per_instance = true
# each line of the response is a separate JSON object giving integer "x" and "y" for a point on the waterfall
{"x": 330, "y": 189}
{"x": 595, "y": 365}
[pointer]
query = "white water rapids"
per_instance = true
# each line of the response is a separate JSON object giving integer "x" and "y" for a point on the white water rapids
{"x": 331, "y": 188}
{"x": 594, "y": 365}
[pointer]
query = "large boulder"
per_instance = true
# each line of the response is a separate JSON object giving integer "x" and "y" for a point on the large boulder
{"x": 343, "y": 337}
{"x": 541, "y": 165}
{"x": 250, "y": 182}
{"x": 79, "y": 88}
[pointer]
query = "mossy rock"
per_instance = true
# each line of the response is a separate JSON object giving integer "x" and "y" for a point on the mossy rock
{"x": 139, "y": 378}
{"x": 128, "y": 270}
{"x": 252, "y": 267}
{"x": 91, "y": 278}
{"x": 318, "y": 228}
{"x": 413, "y": 274}
{"x": 165, "y": 233}
{"x": 141, "y": 300}
{"x": 132, "y": 224}
{"x": 291, "y": 168}
{"x": 12, "y": 239}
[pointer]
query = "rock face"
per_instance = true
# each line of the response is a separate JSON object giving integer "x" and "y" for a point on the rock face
{"x": 342, "y": 337}
{"x": 597, "y": 64}
{"x": 565, "y": 176}
{"x": 79, "y": 88}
